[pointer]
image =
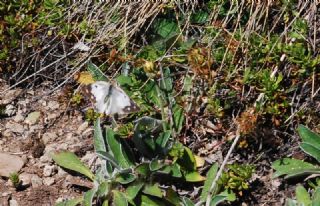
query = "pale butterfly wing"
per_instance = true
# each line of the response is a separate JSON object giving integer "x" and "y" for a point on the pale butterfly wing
{"x": 110, "y": 99}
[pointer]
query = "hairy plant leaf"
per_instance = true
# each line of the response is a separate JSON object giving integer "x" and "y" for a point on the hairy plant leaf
{"x": 207, "y": 184}
{"x": 95, "y": 72}
{"x": 123, "y": 156}
{"x": 103, "y": 189}
{"x": 163, "y": 139}
{"x": 72, "y": 202}
{"x": 155, "y": 165}
{"x": 88, "y": 197}
{"x": 143, "y": 169}
{"x": 149, "y": 201}
{"x": 187, "y": 161}
{"x": 178, "y": 118}
{"x": 309, "y": 136}
{"x": 133, "y": 189}
{"x": 223, "y": 196}
{"x": 187, "y": 202}
{"x": 302, "y": 195}
{"x": 166, "y": 28}
{"x": 316, "y": 197}
{"x": 72, "y": 162}
{"x": 311, "y": 150}
{"x": 166, "y": 83}
{"x": 119, "y": 198}
{"x": 293, "y": 167}
{"x": 172, "y": 197}
{"x": 176, "y": 170}
{"x": 125, "y": 178}
{"x": 194, "y": 177}
{"x": 111, "y": 160}
{"x": 98, "y": 140}
{"x": 153, "y": 190}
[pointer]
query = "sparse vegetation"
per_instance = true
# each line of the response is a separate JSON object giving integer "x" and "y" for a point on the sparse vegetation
{"x": 218, "y": 77}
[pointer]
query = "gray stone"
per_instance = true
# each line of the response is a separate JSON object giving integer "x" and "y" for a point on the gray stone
{"x": 48, "y": 170}
{"x": 53, "y": 105}
{"x": 36, "y": 181}
{"x": 10, "y": 110}
{"x": 48, "y": 137}
{"x": 13, "y": 202}
{"x": 15, "y": 127}
{"x": 10, "y": 164}
{"x": 25, "y": 179}
{"x": 48, "y": 181}
{"x": 32, "y": 118}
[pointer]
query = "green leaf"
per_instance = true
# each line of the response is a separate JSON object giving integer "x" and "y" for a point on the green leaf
{"x": 124, "y": 80}
{"x": 309, "y": 136}
{"x": 125, "y": 178}
{"x": 117, "y": 149}
{"x": 172, "y": 197}
{"x": 293, "y": 167}
{"x": 95, "y": 72}
{"x": 223, "y": 196}
{"x": 166, "y": 83}
{"x": 187, "y": 202}
{"x": 176, "y": 170}
{"x": 194, "y": 177}
{"x": 291, "y": 202}
{"x": 119, "y": 198}
{"x": 143, "y": 169}
{"x": 103, "y": 189}
{"x": 187, "y": 161}
{"x": 311, "y": 150}
{"x": 88, "y": 197}
{"x": 133, "y": 189}
{"x": 149, "y": 201}
{"x": 316, "y": 197}
{"x": 166, "y": 28}
{"x": 199, "y": 17}
{"x": 98, "y": 140}
{"x": 207, "y": 184}
{"x": 72, "y": 202}
{"x": 178, "y": 118}
{"x": 302, "y": 195}
{"x": 109, "y": 158}
{"x": 72, "y": 162}
{"x": 155, "y": 165}
{"x": 153, "y": 190}
{"x": 163, "y": 139}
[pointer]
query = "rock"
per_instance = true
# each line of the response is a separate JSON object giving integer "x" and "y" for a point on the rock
{"x": 46, "y": 158}
{"x": 25, "y": 179}
{"x": 10, "y": 110}
{"x": 13, "y": 202}
{"x": 15, "y": 127}
{"x": 19, "y": 117}
{"x": 53, "y": 105}
{"x": 48, "y": 137}
{"x": 61, "y": 172}
{"x": 9, "y": 96}
{"x": 48, "y": 170}
{"x": 32, "y": 118}
{"x": 9, "y": 164}
{"x": 36, "y": 181}
{"x": 48, "y": 181}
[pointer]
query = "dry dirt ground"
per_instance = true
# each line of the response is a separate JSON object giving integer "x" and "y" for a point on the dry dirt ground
{"x": 36, "y": 124}
{"x": 33, "y": 139}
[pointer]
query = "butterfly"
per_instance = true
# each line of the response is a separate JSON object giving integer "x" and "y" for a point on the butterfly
{"x": 110, "y": 99}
